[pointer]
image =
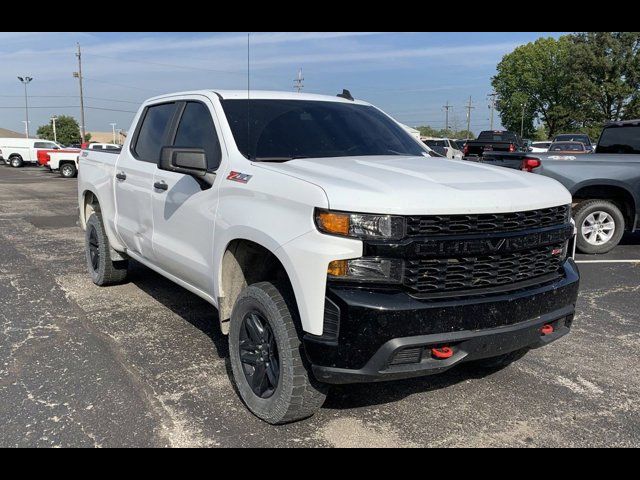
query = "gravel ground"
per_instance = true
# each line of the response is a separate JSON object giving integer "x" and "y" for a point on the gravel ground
{"x": 144, "y": 364}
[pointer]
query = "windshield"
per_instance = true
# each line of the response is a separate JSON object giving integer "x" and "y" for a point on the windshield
{"x": 623, "y": 139}
{"x": 489, "y": 136}
{"x": 573, "y": 138}
{"x": 288, "y": 129}
{"x": 567, "y": 147}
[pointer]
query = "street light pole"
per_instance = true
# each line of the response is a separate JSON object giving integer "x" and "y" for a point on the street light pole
{"x": 55, "y": 135}
{"x": 113, "y": 129}
{"x": 25, "y": 81}
{"x": 78, "y": 75}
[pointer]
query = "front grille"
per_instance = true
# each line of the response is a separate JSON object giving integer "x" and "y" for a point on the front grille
{"x": 486, "y": 223}
{"x": 407, "y": 356}
{"x": 469, "y": 274}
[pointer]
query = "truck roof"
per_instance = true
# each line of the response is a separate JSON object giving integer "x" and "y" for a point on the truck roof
{"x": 263, "y": 95}
{"x": 621, "y": 123}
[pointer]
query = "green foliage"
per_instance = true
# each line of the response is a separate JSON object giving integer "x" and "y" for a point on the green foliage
{"x": 427, "y": 131}
{"x": 573, "y": 84}
{"x": 67, "y": 129}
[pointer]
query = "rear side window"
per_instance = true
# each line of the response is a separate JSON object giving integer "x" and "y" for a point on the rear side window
{"x": 624, "y": 139}
{"x": 196, "y": 130}
{"x": 47, "y": 145}
{"x": 153, "y": 132}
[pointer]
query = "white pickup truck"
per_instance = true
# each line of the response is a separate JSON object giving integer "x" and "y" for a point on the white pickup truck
{"x": 64, "y": 161}
{"x": 334, "y": 247}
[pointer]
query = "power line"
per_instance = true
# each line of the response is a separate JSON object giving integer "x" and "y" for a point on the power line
{"x": 76, "y": 96}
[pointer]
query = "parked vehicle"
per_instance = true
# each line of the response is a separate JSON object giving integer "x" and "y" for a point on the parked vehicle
{"x": 605, "y": 185}
{"x": 540, "y": 147}
{"x": 335, "y": 248}
{"x": 18, "y": 151}
{"x": 103, "y": 146}
{"x": 576, "y": 137}
{"x": 577, "y": 148}
{"x": 444, "y": 146}
{"x": 494, "y": 141}
{"x": 64, "y": 161}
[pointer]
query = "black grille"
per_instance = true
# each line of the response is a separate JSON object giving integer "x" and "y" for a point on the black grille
{"x": 407, "y": 356}
{"x": 467, "y": 274}
{"x": 486, "y": 223}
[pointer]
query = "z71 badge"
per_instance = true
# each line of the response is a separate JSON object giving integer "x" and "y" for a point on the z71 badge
{"x": 239, "y": 177}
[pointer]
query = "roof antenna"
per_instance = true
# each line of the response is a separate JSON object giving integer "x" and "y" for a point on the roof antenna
{"x": 346, "y": 94}
{"x": 248, "y": 94}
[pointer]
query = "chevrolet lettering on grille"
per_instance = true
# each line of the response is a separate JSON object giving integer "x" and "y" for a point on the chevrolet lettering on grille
{"x": 488, "y": 246}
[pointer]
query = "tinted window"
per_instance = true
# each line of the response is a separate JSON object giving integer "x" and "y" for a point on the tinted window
{"x": 620, "y": 140}
{"x": 47, "y": 145}
{"x": 541, "y": 144}
{"x": 196, "y": 130}
{"x": 567, "y": 147}
{"x": 489, "y": 136}
{"x": 573, "y": 138}
{"x": 284, "y": 129}
{"x": 111, "y": 147}
{"x": 436, "y": 143}
{"x": 152, "y": 134}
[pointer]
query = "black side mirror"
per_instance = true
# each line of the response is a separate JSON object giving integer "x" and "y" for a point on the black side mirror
{"x": 190, "y": 161}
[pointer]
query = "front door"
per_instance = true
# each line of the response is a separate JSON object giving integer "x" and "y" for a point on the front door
{"x": 183, "y": 210}
{"x": 134, "y": 173}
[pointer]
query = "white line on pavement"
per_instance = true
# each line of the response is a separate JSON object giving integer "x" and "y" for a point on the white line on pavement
{"x": 607, "y": 261}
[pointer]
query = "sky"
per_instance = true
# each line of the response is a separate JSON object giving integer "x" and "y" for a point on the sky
{"x": 411, "y": 76}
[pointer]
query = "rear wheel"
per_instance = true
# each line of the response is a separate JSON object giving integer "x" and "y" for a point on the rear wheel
{"x": 269, "y": 368}
{"x": 68, "y": 170}
{"x": 102, "y": 269}
{"x": 16, "y": 161}
{"x": 600, "y": 226}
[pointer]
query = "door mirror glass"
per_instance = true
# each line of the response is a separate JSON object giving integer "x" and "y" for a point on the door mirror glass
{"x": 189, "y": 161}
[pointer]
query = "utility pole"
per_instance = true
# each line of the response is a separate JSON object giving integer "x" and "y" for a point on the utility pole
{"x": 25, "y": 81}
{"x": 447, "y": 107}
{"x": 78, "y": 75}
{"x": 26, "y": 128}
{"x": 469, "y": 107}
{"x": 55, "y": 135}
{"x": 113, "y": 129}
{"x": 298, "y": 82}
{"x": 523, "y": 105}
{"x": 492, "y": 106}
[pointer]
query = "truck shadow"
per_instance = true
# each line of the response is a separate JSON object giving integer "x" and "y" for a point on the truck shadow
{"x": 204, "y": 317}
{"x": 630, "y": 239}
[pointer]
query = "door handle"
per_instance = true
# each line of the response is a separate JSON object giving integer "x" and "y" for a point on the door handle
{"x": 161, "y": 185}
{"x": 121, "y": 176}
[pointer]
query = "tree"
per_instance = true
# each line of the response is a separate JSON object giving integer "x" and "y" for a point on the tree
{"x": 607, "y": 80}
{"x": 67, "y": 130}
{"x": 427, "y": 131}
{"x": 537, "y": 75}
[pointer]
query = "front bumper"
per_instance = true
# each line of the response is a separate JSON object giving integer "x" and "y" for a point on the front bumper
{"x": 386, "y": 336}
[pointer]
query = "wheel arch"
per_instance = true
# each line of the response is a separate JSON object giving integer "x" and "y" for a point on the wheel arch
{"x": 614, "y": 191}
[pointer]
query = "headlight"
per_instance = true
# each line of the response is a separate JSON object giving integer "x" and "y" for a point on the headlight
{"x": 360, "y": 225}
{"x": 367, "y": 269}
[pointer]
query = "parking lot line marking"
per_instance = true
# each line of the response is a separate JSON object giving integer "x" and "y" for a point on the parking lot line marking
{"x": 607, "y": 261}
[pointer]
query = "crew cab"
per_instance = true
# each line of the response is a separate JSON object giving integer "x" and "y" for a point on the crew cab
{"x": 18, "y": 151}
{"x": 334, "y": 247}
{"x": 493, "y": 141}
{"x": 64, "y": 161}
{"x": 605, "y": 185}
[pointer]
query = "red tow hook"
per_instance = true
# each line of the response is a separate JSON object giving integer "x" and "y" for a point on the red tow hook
{"x": 546, "y": 329}
{"x": 442, "y": 353}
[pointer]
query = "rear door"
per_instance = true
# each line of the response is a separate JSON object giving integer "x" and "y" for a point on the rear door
{"x": 183, "y": 210}
{"x": 134, "y": 178}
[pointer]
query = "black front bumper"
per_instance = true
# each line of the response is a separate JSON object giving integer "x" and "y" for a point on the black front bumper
{"x": 389, "y": 335}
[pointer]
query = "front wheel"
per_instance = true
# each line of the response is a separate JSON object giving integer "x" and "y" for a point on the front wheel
{"x": 600, "y": 226}
{"x": 68, "y": 170}
{"x": 269, "y": 369}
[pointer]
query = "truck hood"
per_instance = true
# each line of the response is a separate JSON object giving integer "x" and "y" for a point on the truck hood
{"x": 423, "y": 185}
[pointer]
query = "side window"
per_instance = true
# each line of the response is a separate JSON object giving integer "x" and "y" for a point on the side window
{"x": 152, "y": 133}
{"x": 196, "y": 130}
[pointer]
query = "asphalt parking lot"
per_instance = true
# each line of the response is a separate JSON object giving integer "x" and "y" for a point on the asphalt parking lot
{"x": 144, "y": 364}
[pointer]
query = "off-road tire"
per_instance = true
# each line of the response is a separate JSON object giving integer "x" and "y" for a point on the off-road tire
{"x": 298, "y": 394}
{"x": 104, "y": 271}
